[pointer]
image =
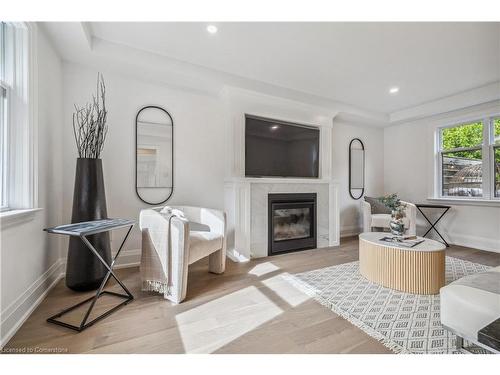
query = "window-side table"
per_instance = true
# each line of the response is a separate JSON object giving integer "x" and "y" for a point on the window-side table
{"x": 83, "y": 230}
{"x": 433, "y": 225}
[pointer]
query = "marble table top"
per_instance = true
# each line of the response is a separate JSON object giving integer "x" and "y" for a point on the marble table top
{"x": 426, "y": 245}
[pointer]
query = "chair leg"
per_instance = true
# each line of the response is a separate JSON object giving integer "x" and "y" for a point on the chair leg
{"x": 217, "y": 262}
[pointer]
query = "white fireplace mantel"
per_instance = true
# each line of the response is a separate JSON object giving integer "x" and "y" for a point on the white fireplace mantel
{"x": 246, "y": 207}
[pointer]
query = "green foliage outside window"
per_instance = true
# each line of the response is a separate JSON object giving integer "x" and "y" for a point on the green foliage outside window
{"x": 469, "y": 135}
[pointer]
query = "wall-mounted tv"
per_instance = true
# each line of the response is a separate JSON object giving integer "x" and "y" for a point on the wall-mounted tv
{"x": 276, "y": 148}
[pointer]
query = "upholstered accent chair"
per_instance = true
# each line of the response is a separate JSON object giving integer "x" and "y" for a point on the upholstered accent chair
{"x": 197, "y": 233}
{"x": 375, "y": 217}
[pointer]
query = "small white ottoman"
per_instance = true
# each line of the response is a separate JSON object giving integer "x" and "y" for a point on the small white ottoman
{"x": 466, "y": 309}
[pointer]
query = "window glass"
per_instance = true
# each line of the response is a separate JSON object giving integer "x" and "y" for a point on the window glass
{"x": 462, "y": 174}
{"x": 2, "y": 51}
{"x": 467, "y": 135}
{"x": 3, "y": 122}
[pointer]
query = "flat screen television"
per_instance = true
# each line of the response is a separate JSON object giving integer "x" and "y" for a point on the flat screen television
{"x": 280, "y": 149}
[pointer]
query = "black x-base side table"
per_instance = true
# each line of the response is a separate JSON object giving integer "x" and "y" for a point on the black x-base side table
{"x": 83, "y": 230}
{"x": 433, "y": 225}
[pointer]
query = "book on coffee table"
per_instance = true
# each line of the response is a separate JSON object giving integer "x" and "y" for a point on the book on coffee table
{"x": 402, "y": 241}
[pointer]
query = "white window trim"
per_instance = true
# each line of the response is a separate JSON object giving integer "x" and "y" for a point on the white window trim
{"x": 488, "y": 198}
{"x": 23, "y": 161}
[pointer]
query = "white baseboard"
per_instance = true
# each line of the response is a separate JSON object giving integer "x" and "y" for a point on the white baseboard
{"x": 349, "y": 231}
{"x": 475, "y": 242}
{"x": 14, "y": 315}
{"x": 236, "y": 256}
{"x": 459, "y": 239}
{"x": 128, "y": 258}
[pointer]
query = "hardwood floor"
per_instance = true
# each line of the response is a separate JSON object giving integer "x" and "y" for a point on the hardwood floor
{"x": 248, "y": 309}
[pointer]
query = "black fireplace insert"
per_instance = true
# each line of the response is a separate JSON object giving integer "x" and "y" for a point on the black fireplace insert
{"x": 291, "y": 222}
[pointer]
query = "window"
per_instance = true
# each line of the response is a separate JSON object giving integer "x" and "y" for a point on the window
{"x": 3, "y": 122}
{"x": 16, "y": 117}
{"x": 496, "y": 155}
{"x": 469, "y": 159}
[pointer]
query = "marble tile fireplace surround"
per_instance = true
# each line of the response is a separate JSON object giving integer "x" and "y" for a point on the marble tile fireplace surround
{"x": 246, "y": 202}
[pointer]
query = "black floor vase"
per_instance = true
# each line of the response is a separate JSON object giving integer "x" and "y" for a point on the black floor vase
{"x": 84, "y": 271}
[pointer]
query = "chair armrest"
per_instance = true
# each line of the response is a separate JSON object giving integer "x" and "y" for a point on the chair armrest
{"x": 157, "y": 226}
{"x": 214, "y": 219}
{"x": 366, "y": 213}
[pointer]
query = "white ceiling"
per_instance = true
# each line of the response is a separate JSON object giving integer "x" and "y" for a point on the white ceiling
{"x": 355, "y": 63}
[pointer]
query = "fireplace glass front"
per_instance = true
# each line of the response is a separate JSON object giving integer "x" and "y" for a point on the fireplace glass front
{"x": 292, "y": 222}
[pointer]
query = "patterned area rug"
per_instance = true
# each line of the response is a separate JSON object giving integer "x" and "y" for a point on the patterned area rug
{"x": 403, "y": 322}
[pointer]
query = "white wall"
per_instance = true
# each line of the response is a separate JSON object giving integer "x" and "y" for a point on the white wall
{"x": 239, "y": 102}
{"x": 198, "y": 144}
{"x": 373, "y": 139}
{"x": 30, "y": 260}
{"x": 337, "y": 130}
{"x": 409, "y": 171}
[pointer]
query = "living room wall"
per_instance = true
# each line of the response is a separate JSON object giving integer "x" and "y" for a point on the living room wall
{"x": 198, "y": 149}
{"x": 408, "y": 170}
{"x": 373, "y": 139}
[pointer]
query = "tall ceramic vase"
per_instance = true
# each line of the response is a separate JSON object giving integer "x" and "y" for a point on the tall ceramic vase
{"x": 84, "y": 271}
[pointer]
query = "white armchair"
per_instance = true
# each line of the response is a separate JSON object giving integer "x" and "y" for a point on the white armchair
{"x": 166, "y": 271}
{"x": 382, "y": 220}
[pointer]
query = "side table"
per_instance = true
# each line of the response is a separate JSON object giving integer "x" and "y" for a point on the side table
{"x": 83, "y": 230}
{"x": 433, "y": 225}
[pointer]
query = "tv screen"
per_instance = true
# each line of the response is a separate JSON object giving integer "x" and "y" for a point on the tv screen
{"x": 280, "y": 149}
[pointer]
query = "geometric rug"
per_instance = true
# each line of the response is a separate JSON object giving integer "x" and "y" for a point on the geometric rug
{"x": 403, "y": 322}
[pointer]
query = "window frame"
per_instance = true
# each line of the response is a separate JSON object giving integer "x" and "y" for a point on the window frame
{"x": 20, "y": 78}
{"x": 487, "y": 158}
{"x": 492, "y": 146}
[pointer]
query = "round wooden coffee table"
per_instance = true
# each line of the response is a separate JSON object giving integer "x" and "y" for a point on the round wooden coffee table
{"x": 418, "y": 270}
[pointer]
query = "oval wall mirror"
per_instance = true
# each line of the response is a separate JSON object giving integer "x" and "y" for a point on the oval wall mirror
{"x": 356, "y": 168}
{"x": 154, "y": 155}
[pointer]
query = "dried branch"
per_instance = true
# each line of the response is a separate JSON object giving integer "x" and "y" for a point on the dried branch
{"x": 89, "y": 123}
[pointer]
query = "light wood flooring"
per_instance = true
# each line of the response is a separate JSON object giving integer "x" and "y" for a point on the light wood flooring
{"x": 248, "y": 309}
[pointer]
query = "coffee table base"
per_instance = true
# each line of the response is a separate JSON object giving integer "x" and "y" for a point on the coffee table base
{"x": 418, "y": 272}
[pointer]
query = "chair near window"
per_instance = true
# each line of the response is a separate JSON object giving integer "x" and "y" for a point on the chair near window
{"x": 377, "y": 217}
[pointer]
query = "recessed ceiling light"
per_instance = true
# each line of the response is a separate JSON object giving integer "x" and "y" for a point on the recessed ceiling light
{"x": 274, "y": 127}
{"x": 212, "y": 29}
{"x": 393, "y": 90}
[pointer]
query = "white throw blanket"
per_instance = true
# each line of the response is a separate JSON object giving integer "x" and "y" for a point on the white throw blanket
{"x": 155, "y": 264}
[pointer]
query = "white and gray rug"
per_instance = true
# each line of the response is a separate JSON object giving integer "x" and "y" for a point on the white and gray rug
{"x": 405, "y": 323}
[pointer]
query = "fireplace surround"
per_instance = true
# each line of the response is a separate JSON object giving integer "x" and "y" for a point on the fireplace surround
{"x": 291, "y": 222}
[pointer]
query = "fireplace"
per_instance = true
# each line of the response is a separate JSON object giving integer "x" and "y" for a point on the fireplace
{"x": 291, "y": 222}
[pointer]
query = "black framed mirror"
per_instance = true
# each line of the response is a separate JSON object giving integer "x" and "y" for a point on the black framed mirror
{"x": 356, "y": 168}
{"x": 154, "y": 155}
